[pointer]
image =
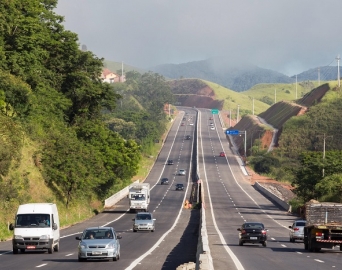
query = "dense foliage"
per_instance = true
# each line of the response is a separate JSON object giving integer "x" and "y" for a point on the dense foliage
{"x": 50, "y": 92}
{"x": 310, "y": 152}
{"x": 141, "y": 108}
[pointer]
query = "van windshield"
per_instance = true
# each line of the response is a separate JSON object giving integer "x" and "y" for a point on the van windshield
{"x": 32, "y": 220}
{"x": 138, "y": 197}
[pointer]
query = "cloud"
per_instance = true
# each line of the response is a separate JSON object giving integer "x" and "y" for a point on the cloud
{"x": 285, "y": 35}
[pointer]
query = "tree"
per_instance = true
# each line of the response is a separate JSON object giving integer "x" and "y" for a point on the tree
{"x": 330, "y": 188}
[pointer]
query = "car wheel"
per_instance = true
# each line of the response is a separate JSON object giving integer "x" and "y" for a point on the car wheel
{"x": 264, "y": 244}
{"x": 306, "y": 246}
{"x": 291, "y": 239}
{"x": 56, "y": 247}
{"x": 15, "y": 251}
{"x": 116, "y": 258}
{"x": 340, "y": 247}
{"x": 50, "y": 250}
{"x": 240, "y": 243}
{"x": 81, "y": 259}
{"x": 22, "y": 250}
{"x": 134, "y": 230}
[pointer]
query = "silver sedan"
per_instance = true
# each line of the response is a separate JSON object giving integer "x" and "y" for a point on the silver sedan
{"x": 99, "y": 243}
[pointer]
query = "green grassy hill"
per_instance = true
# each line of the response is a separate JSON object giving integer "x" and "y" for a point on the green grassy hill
{"x": 279, "y": 91}
{"x": 232, "y": 99}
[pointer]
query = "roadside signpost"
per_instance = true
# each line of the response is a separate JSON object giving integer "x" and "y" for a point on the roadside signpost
{"x": 214, "y": 111}
{"x": 239, "y": 132}
{"x": 232, "y": 132}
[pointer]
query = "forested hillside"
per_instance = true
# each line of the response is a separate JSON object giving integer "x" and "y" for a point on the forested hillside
{"x": 59, "y": 142}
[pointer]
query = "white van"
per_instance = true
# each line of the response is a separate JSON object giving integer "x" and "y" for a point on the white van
{"x": 36, "y": 227}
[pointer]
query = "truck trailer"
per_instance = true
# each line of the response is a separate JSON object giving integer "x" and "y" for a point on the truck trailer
{"x": 139, "y": 197}
{"x": 323, "y": 226}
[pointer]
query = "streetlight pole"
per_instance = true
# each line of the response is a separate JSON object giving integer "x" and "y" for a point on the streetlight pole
{"x": 237, "y": 115}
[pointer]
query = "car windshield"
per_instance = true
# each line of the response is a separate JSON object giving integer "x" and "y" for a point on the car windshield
{"x": 32, "y": 220}
{"x": 300, "y": 224}
{"x": 179, "y": 185}
{"x": 98, "y": 234}
{"x": 143, "y": 217}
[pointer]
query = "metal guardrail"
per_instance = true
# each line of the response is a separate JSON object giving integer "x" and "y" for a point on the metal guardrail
{"x": 112, "y": 200}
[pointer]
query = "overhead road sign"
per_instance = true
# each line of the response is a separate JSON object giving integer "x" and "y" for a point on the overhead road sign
{"x": 214, "y": 111}
{"x": 232, "y": 132}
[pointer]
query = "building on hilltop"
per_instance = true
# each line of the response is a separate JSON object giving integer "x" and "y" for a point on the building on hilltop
{"x": 111, "y": 77}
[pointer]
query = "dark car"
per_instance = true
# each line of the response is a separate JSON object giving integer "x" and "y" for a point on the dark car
{"x": 188, "y": 137}
{"x": 170, "y": 162}
{"x": 252, "y": 232}
{"x": 182, "y": 124}
{"x": 164, "y": 181}
{"x": 179, "y": 187}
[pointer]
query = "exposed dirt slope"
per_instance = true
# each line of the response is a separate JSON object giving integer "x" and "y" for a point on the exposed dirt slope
{"x": 280, "y": 112}
{"x": 194, "y": 93}
{"x": 314, "y": 96}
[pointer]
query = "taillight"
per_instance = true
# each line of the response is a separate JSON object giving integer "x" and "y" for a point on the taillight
{"x": 296, "y": 229}
{"x": 319, "y": 233}
{"x": 263, "y": 232}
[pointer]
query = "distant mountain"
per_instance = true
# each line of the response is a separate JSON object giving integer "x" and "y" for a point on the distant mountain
{"x": 237, "y": 77}
{"x": 326, "y": 73}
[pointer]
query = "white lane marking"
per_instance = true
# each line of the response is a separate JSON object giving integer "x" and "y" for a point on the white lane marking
{"x": 262, "y": 210}
{"x": 317, "y": 260}
{"x": 161, "y": 239}
{"x": 7, "y": 252}
{"x": 38, "y": 266}
{"x": 69, "y": 254}
{"x": 299, "y": 252}
{"x": 229, "y": 251}
{"x": 273, "y": 238}
{"x": 283, "y": 245}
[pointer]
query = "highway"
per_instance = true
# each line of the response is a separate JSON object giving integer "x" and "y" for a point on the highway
{"x": 176, "y": 227}
{"x": 231, "y": 200}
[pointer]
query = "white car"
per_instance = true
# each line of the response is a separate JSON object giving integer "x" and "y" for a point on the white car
{"x": 181, "y": 172}
{"x": 297, "y": 230}
{"x": 212, "y": 128}
{"x": 144, "y": 221}
{"x": 191, "y": 124}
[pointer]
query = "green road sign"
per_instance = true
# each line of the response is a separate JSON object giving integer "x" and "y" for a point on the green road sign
{"x": 214, "y": 111}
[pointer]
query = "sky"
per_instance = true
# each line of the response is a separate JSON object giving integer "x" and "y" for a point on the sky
{"x": 288, "y": 36}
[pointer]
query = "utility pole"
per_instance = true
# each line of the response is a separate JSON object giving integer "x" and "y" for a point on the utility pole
{"x": 253, "y": 105}
{"x": 296, "y": 86}
{"x": 324, "y": 138}
{"x": 338, "y": 70}
{"x": 275, "y": 95}
{"x": 319, "y": 80}
{"x": 230, "y": 117}
{"x": 237, "y": 115}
